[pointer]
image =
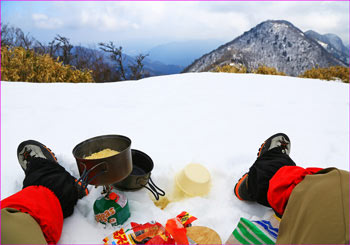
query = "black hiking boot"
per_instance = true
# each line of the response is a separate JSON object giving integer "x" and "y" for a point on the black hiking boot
{"x": 82, "y": 188}
{"x": 276, "y": 140}
{"x": 241, "y": 189}
{"x": 30, "y": 149}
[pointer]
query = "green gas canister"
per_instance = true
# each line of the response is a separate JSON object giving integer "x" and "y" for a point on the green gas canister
{"x": 112, "y": 208}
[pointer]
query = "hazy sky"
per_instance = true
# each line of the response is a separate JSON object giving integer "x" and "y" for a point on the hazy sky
{"x": 146, "y": 24}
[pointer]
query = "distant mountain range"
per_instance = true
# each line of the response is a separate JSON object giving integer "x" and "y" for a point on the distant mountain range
{"x": 332, "y": 43}
{"x": 278, "y": 44}
{"x": 273, "y": 43}
{"x": 153, "y": 68}
{"x": 169, "y": 58}
{"x": 182, "y": 53}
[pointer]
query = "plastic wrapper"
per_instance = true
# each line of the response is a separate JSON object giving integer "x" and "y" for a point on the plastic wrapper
{"x": 134, "y": 233}
{"x": 186, "y": 219}
{"x": 153, "y": 232}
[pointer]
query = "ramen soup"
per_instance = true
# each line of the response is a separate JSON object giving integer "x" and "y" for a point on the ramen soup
{"x": 102, "y": 154}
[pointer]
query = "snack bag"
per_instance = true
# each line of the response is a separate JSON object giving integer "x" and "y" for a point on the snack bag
{"x": 186, "y": 219}
{"x": 177, "y": 227}
{"x": 150, "y": 233}
{"x": 153, "y": 232}
{"x": 117, "y": 237}
{"x": 134, "y": 233}
{"x": 177, "y": 230}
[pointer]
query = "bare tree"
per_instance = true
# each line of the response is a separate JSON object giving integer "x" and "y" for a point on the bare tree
{"x": 137, "y": 71}
{"x": 51, "y": 48}
{"x": 7, "y": 35}
{"x": 15, "y": 37}
{"x": 116, "y": 55}
{"x": 24, "y": 40}
{"x": 66, "y": 48}
{"x": 92, "y": 59}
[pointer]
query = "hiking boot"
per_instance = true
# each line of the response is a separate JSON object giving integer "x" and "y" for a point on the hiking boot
{"x": 30, "y": 149}
{"x": 276, "y": 140}
{"x": 241, "y": 189}
{"x": 81, "y": 188}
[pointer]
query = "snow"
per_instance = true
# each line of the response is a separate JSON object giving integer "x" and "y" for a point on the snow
{"x": 216, "y": 119}
{"x": 325, "y": 45}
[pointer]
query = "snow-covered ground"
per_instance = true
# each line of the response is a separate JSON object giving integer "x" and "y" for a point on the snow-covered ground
{"x": 218, "y": 120}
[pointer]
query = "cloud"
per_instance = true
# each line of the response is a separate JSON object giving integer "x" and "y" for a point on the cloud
{"x": 45, "y": 22}
{"x": 162, "y": 21}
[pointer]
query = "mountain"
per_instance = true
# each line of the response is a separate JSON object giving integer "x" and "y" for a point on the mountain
{"x": 155, "y": 68}
{"x": 273, "y": 43}
{"x": 182, "y": 53}
{"x": 332, "y": 43}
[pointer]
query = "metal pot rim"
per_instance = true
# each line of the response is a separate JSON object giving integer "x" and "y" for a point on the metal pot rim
{"x": 97, "y": 138}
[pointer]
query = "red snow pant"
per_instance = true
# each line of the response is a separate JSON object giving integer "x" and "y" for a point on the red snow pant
{"x": 48, "y": 195}
{"x": 30, "y": 215}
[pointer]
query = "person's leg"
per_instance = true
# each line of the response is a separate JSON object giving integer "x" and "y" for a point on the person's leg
{"x": 49, "y": 194}
{"x": 42, "y": 205}
{"x": 20, "y": 228}
{"x": 50, "y": 174}
{"x": 42, "y": 169}
{"x": 263, "y": 170}
{"x": 317, "y": 211}
{"x": 272, "y": 155}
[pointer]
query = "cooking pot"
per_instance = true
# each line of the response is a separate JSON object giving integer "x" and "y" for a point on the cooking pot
{"x": 107, "y": 170}
{"x": 140, "y": 176}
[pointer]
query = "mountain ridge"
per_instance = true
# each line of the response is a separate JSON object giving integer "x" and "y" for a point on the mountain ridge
{"x": 273, "y": 43}
{"x": 332, "y": 43}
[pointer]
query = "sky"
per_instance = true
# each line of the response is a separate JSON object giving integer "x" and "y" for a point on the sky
{"x": 145, "y": 24}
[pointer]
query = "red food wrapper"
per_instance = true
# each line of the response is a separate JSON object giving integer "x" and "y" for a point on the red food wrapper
{"x": 153, "y": 232}
{"x": 177, "y": 227}
{"x": 186, "y": 219}
{"x": 177, "y": 230}
{"x": 134, "y": 233}
{"x": 150, "y": 233}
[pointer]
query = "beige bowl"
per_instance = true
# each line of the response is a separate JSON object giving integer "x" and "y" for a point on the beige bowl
{"x": 194, "y": 180}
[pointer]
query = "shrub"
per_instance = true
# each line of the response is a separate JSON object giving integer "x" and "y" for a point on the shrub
{"x": 268, "y": 71}
{"x": 19, "y": 64}
{"x": 230, "y": 69}
{"x": 328, "y": 73}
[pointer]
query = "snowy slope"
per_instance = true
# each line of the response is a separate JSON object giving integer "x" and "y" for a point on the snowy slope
{"x": 218, "y": 120}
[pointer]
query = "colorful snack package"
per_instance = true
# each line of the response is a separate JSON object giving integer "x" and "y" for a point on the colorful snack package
{"x": 186, "y": 219}
{"x": 117, "y": 237}
{"x": 134, "y": 233}
{"x": 144, "y": 234}
{"x": 177, "y": 230}
{"x": 153, "y": 232}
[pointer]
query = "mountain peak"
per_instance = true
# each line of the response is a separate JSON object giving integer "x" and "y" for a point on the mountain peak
{"x": 273, "y": 43}
{"x": 332, "y": 43}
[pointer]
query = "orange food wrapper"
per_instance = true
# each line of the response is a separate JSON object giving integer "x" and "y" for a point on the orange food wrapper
{"x": 153, "y": 232}
{"x": 177, "y": 227}
{"x": 134, "y": 233}
{"x": 186, "y": 219}
{"x": 177, "y": 230}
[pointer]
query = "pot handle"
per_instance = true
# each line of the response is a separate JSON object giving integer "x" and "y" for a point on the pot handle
{"x": 84, "y": 176}
{"x": 155, "y": 190}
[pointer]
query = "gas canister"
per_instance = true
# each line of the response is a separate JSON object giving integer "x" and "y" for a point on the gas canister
{"x": 112, "y": 208}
